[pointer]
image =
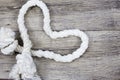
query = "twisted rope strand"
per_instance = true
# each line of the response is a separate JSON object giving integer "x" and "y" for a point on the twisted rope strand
{"x": 25, "y": 64}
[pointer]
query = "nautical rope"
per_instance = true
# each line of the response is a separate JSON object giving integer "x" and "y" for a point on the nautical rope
{"x": 25, "y": 65}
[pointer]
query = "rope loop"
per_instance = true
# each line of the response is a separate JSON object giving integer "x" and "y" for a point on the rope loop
{"x": 25, "y": 65}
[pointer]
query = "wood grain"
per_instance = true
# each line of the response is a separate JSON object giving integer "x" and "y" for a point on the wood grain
{"x": 100, "y": 19}
{"x": 84, "y": 15}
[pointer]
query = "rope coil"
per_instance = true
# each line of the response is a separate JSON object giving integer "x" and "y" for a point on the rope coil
{"x": 25, "y": 65}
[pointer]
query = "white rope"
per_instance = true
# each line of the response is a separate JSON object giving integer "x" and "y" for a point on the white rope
{"x": 25, "y": 65}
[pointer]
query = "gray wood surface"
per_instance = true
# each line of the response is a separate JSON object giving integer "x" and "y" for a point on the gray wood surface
{"x": 100, "y": 19}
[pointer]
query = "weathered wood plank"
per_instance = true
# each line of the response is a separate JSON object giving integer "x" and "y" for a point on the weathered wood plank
{"x": 98, "y": 68}
{"x": 100, "y": 41}
{"x": 93, "y": 20}
{"x": 84, "y": 15}
{"x": 84, "y": 4}
{"x": 105, "y": 43}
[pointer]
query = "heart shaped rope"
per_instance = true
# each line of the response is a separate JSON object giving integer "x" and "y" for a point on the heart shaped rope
{"x": 25, "y": 65}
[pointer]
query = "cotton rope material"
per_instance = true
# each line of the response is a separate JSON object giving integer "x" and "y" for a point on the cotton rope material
{"x": 25, "y": 65}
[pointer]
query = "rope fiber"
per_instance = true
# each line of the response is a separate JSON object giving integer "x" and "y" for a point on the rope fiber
{"x": 25, "y": 65}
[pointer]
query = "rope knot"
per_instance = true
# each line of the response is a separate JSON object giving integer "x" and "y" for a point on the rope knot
{"x": 7, "y": 41}
{"x": 24, "y": 66}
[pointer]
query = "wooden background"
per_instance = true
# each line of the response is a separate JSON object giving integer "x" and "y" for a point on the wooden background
{"x": 100, "y": 19}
